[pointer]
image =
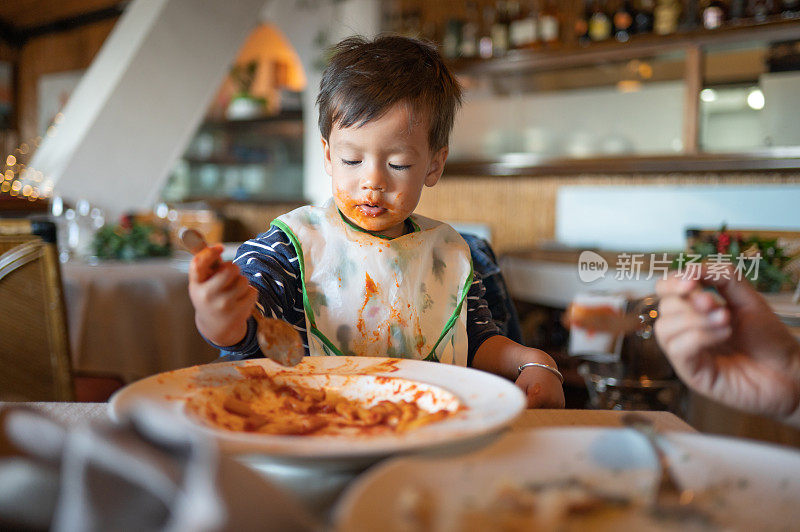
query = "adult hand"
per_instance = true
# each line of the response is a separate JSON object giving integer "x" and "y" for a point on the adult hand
{"x": 222, "y": 297}
{"x": 734, "y": 350}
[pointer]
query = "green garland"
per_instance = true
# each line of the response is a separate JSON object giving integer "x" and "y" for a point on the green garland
{"x": 131, "y": 240}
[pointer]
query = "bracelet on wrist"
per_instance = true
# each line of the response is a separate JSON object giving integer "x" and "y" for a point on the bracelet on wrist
{"x": 551, "y": 369}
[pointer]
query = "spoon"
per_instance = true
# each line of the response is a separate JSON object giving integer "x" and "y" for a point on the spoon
{"x": 669, "y": 492}
{"x": 278, "y": 340}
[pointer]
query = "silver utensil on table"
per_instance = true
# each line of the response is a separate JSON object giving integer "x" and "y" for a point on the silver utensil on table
{"x": 669, "y": 491}
{"x": 278, "y": 340}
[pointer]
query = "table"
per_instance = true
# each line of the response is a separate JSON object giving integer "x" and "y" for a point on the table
{"x": 319, "y": 488}
{"x": 74, "y": 413}
{"x": 131, "y": 319}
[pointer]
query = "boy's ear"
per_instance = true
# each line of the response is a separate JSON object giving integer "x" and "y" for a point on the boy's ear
{"x": 436, "y": 167}
{"x": 326, "y": 156}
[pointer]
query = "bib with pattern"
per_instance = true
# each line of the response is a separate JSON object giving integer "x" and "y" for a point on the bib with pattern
{"x": 366, "y": 295}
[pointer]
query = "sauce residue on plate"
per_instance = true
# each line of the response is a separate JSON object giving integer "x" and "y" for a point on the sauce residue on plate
{"x": 260, "y": 403}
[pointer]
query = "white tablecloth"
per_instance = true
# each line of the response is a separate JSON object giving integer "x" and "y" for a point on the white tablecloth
{"x": 131, "y": 319}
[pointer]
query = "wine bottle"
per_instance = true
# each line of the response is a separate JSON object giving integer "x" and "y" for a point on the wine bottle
{"x": 691, "y": 16}
{"x": 623, "y": 21}
{"x": 713, "y": 14}
{"x": 666, "y": 17}
{"x": 760, "y": 10}
{"x": 643, "y": 19}
{"x": 737, "y": 10}
{"x": 469, "y": 32}
{"x": 599, "y": 23}
{"x": 499, "y": 30}
{"x": 582, "y": 24}
{"x": 549, "y": 23}
{"x": 485, "y": 43}
{"x": 790, "y": 8}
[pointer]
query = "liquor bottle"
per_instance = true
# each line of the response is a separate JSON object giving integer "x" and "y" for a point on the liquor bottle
{"x": 533, "y": 30}
{"x": 623, "y": 21}
{"x": 522, "y": 27}
{"x": 469, "y": 32}
{"x": 691, "y": 16}
{"x": 452, "y": 38}
{"x": 599, "y": 23}
{"x": 737, "y": 10}
{"x": 643, "y": 19}
{"x": 582, "y": 24}
{"x": 760, "y": 10}
{"x": 666, "y": 17}
{"x": 485, "y": 43}
{"x": 713, "y": 14}
{"x": 549, "y": 23}
{"x": 515, "y": 18}
{"x": 790, "y": 8}
{"x": 499, "y": 30}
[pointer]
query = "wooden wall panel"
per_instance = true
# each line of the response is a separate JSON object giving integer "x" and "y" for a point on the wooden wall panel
{"x": 56, "y": 52}
{"x": 522, "y": 212}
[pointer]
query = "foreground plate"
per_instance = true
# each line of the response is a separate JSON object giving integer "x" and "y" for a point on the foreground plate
{"x": 755, "y": 486}
{"x": 490, "y": 402}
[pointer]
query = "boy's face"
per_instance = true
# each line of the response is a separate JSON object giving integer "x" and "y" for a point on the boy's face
{"x": 378, "y": 169}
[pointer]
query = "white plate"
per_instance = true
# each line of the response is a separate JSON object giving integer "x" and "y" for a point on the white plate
{"x": 757, "y": 486}
{"x": 491, "y": 403}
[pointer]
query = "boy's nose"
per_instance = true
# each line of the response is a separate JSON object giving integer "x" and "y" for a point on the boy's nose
{"x": 374, "y": 179}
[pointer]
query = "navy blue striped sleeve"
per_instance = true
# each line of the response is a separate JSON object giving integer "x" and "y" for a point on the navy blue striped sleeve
{"x": 270, "y": 263}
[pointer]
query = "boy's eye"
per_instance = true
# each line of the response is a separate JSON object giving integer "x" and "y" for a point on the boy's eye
{"x": 399, "y": 166}
{"x": 350, "y": 163}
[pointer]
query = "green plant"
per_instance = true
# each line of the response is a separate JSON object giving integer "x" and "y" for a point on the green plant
{"x": 725, "y": 245}
{"x": 243, "y": 76}
{"x": 131, "y": 240}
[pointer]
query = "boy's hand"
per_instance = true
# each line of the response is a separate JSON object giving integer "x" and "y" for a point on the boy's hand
{"x": 542, "y": 388}
{"x": 222, "y": 297}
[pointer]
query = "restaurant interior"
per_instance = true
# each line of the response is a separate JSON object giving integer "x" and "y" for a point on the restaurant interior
{"x": 601, "y": 146}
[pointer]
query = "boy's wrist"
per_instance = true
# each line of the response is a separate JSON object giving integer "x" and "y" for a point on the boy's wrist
{"x": 224, "y": 338}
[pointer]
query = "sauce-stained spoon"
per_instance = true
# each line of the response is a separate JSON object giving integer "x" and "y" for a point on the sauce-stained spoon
{"x": 277, "y": 339}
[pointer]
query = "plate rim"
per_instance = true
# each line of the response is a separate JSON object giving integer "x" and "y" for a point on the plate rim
{"x": 264, "y": 446}
{"x": 363, "y": 482}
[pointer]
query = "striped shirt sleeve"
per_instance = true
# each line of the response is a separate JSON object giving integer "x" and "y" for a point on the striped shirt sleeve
{"x": 270, "y": 263}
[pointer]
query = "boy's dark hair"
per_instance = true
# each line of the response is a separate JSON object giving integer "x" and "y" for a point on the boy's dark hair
{"x": 365, "y": 78}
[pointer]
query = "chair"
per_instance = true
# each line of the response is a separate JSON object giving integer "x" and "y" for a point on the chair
{"x": 34, "y": 347}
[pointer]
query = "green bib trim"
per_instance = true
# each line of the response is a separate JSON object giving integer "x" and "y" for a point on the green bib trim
{"x": 306, "y": 304}
{"x": 354, "y": 227}
{"x": 456, "y": 313}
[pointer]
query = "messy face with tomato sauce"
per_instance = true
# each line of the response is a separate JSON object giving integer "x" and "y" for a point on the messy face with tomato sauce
{"x": 378, "y": 168}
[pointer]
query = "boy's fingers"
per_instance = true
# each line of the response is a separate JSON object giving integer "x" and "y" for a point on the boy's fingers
{"x": 204, "y": 264}
{"x": 705, "y": 302}
{"x": 224, "y": 278}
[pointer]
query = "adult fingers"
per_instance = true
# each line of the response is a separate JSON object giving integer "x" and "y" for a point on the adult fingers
{"x": 676, "y": 285}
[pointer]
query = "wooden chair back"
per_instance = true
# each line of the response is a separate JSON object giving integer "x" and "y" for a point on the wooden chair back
{"x": 34, "y": 346}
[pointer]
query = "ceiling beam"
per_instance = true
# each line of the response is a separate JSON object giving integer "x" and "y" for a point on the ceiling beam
{"x": 10, "y": 35}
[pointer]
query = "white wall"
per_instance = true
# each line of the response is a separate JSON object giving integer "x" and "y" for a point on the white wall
{"x": 135, "y": 109}
{"x": 576, "y": 122}
{"x": 301, "y": 25}
{"x": 655, "y": 218}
